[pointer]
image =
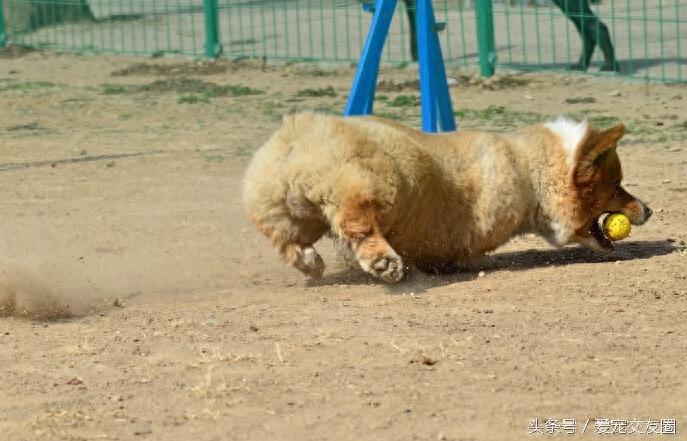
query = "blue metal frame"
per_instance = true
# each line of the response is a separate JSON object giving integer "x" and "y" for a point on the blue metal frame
{"x": 361, "y": 98}
{"x": 435, "y": 101}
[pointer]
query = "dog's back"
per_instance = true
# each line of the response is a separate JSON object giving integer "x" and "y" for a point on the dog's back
{"x": 312, "y": 156}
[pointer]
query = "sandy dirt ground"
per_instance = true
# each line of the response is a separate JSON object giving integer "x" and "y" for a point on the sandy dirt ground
{"x": 139, "y": 303}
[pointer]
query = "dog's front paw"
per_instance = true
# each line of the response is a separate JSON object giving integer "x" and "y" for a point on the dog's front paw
{"x": 388, "y": 268}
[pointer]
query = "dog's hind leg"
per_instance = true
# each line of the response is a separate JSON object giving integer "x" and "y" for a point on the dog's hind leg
{"x": 357, "y": 223}
{"x": 293, "y": 227}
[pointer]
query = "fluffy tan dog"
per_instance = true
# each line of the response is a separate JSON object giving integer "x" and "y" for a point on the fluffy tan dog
{"x": 396, "y": 196}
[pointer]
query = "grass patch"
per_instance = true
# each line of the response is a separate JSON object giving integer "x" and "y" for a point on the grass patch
{"x": 192, "y": 85}
{"x": 273, "y": 110}
{"x": 243, "y": 152}
{"x": 390, "y": 115}
{"x": 405, "y": 101}
{"x": 181, "y": 69}
{"x": 25, "y": 86}
{"x": 603, "y": 121}
{"x": 316, "y": 73}
{"x": 29, "y": 127}
{"x": 500, "y": 116}
{"x": 651, "y": 133}
{"x": 326, "y": 91}
{"x": 194, "y": 99}
{"x": 238, "y": 90}
{"x": 214, "y": 158}
{"x": 637, "y": 130}
{"x": 192, "y": 90}
{"x": 112, "y": 89}
{"x": 332, "y": 109}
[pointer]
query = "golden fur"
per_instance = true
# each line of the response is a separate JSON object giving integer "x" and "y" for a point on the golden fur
{"x": 396, "y": 196}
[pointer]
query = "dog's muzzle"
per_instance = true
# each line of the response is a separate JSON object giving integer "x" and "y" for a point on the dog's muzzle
{"x": 640, "y": 213}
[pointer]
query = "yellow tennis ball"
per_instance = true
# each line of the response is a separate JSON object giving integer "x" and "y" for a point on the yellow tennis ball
{"x": 617, "y": 226}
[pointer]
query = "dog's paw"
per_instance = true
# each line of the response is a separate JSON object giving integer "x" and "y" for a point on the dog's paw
{"x": 388, "y": 268}
{"x": 305, "y": 260}
{"x": 311, "y": 262}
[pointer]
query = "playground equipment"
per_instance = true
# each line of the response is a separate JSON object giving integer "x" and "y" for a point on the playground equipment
{"x": 435, "y": 101}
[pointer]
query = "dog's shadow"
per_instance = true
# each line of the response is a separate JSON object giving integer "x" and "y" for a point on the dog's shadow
{"x": 418, "y": 282}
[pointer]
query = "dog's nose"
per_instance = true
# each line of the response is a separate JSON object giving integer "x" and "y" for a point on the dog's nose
{"x": 647, "y": 212}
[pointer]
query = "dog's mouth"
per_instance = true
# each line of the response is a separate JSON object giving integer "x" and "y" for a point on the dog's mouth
{"x": 598, "y": 235}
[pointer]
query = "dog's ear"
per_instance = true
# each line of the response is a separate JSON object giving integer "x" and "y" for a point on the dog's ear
{"x": 595, "y": 149}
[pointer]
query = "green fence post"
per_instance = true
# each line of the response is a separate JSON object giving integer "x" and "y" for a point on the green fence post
{"x": 485, "y": 37}
{"x": 3, "y": 36}
{"x": 213, "y": 48}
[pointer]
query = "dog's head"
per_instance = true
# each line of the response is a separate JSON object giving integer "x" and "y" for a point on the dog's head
{"x": 594, "y": 185}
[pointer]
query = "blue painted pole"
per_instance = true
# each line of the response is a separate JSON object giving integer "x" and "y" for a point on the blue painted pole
{"x": 428, "y": 104}
{"x": 447, "y": 119}
{"x": 361, "y": 98}
{"x": 435, "y": 100}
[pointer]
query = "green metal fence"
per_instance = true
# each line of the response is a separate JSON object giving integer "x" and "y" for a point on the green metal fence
{"x": 649, "y": 36}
